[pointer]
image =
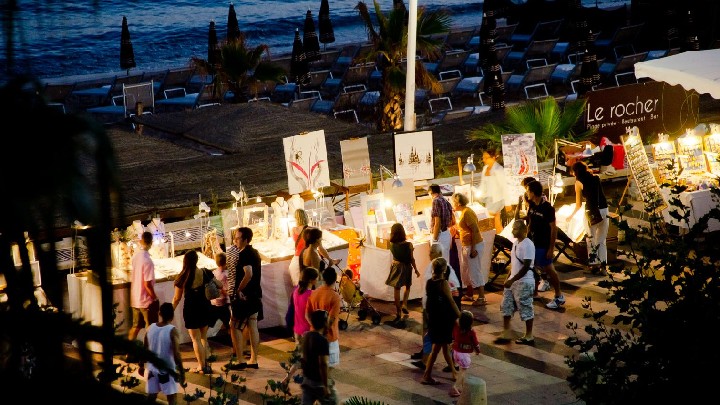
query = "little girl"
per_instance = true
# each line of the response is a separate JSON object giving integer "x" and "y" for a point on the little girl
{"x": 465, "y": 341}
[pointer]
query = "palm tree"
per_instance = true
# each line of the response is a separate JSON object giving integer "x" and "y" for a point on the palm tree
{"x": 543, "y": 117}
{"x": 389, "y": 48}
{"x": 241, "y": 69}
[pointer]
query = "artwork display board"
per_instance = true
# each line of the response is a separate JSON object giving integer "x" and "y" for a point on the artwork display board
{"x": 306, "y": 162}
{"x": 519, "y": 161}
{"x": 690, "y": 153}
{"x": 373, "y": 213}
{"x": 666, "y": 160}
{"x": 712, "y": 149}
{"x": 356, "y": 162}
{"x": 414, "y": 155}
{"x": 640, "y": 168}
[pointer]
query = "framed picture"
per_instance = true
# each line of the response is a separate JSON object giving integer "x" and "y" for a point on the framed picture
{"x": 383, "y": 230}
{"x": 421, "y": 224}
{"x": 356, "y": 162}
{"x": 373, "y": 207}
{"x": 255, "y": 217}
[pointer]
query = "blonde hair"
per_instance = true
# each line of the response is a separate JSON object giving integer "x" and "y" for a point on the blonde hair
{"x": 460, "y": 199}
{"x": 435, "y": 251}
{"x": 301, "y": 217}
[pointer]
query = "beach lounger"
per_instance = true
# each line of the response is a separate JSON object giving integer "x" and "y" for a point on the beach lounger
{"x": 126, "y": 105}
{"x": 205, "y": 97}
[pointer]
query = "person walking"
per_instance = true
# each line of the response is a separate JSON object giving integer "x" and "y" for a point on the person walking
{"x": 542, "y": 231}
{"x": 221, "y": 305}
{"x": 454, "y": 282}
{"x": 465, "y": 341}
{"x": 519, "y": 287}
{"x": 246, "y": 309}
{"x": 493, "y": 187}
{"x": 441, "y": 219}
{"x": 401, "y": 268}
{"x": 588, "y": 186}
{"x": 473, "y": 276}
{"x": 317, "y": 387}
{"x": 326, "y": 298}
{"x": 442, "y": 314}
{"x": 144, "y": 302}
{"x": 190, "y": 284}
{"x": 163, "y": 339}
{"x": 300, "y": 296}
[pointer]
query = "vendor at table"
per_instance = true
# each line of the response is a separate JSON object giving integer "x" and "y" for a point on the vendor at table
{"x": 492, "y": 187}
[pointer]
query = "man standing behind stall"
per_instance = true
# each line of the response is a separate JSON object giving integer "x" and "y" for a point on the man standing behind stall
{"x": 143, "y": 300}
{"x": 542, "y": 230}
{"x": 441, "y": 219}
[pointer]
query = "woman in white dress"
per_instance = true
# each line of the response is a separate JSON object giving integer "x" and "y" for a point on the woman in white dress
{"x": 492, "y": 187}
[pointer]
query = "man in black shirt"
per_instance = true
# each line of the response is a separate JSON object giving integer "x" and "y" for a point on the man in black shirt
{"x": 542, "y": 230}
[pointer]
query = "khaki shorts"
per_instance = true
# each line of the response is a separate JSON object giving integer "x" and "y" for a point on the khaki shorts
{"x": 144, "y": 317}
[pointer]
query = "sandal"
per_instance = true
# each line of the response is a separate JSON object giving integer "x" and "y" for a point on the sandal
{"x": 431, "y": 381}
{"x": 480, "y": 302}
{"x": 525, "y": 341}
{"x": 196, "y": 370}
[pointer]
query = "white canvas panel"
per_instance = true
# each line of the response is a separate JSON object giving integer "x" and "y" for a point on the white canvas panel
{"x": 306, "y": 162}
{"x": 356, "y": 162}
{"x": 414, "y": 155}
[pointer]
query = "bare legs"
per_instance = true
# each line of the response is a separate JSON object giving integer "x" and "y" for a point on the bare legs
{"x": 199, "y": 342}
{"x": 427, "y": 376}
{"x": 254, "y": 338}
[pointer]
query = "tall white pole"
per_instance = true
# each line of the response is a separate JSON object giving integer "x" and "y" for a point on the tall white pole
{"x": 409, "y": 123}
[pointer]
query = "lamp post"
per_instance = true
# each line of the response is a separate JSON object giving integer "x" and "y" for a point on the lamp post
{"x": 555, "y": 186}
{"x": 470, "y": 167}
{"x": 409, "y": 122}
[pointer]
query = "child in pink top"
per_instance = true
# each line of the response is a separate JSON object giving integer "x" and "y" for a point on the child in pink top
{"x": 465, "y": 341}
{"x": 300, "y": 297}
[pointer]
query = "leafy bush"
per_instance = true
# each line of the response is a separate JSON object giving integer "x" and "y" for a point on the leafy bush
{"x": 660, "y": 345}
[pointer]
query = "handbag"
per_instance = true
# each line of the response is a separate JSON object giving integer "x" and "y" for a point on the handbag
{"x": 593, "y": 215}
{"x": 290, "y": 314}
{"x": 212, "y": 286}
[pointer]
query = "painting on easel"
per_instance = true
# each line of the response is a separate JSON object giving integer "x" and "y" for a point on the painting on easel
{"x": 306, "y": 162}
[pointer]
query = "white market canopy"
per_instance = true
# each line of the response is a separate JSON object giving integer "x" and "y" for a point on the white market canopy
{"x": 693, "y": 70}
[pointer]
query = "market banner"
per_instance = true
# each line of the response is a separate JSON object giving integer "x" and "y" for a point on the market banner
{"x": 306, "y": 162}
{"x": 653, "y": 107}
{"x": 519, "y": 161}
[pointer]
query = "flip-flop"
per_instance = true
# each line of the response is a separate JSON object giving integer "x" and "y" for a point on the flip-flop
{"x": 525, "y": 341}
{"x": 431, "y": 381}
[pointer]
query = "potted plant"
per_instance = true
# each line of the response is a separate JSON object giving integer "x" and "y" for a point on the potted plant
{"x": 543, "y": 117}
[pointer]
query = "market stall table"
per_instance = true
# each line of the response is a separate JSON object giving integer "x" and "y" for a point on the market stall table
{"x": 699, "y": 203}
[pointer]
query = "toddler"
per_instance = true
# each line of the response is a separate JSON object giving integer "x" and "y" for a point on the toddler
{"x": 465, "y": 341}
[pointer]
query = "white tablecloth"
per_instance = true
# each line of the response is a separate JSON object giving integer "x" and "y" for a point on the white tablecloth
{"x": 375, "y": 266}
{"x": 699, "y": 203}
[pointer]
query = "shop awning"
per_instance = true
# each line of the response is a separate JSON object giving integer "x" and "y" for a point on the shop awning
{"x": 693, "y": 70}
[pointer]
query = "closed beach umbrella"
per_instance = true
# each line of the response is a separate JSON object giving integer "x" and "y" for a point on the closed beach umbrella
{"x": 299, "y": 70}
{"x": 127, "y": 55}
{"x": 589, "y": 69}
{"x": 492, "y": 71}
{"x": 327, "y": 34}
{"x": 233, "y": 28}
{"x": 213, "y": 56}
{"x": 311, "y": 45}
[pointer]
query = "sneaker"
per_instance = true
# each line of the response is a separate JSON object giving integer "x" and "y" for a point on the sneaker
{"x": 561, "y": 299}
{"x": 555, "y": 303}
{"x": 544, "y": 286}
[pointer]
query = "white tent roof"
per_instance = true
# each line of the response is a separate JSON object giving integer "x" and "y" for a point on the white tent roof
{"x": 693, "y": 70}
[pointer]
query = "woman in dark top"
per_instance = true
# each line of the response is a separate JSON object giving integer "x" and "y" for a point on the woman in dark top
{"x": 442, "y": 313}
{"x": 588, "y": 186}
{"x": 401, "y": 269}
{"x": 196, "y": 308}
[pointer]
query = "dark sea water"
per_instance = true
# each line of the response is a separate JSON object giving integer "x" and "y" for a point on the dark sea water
{"x": 54, "y": 38}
